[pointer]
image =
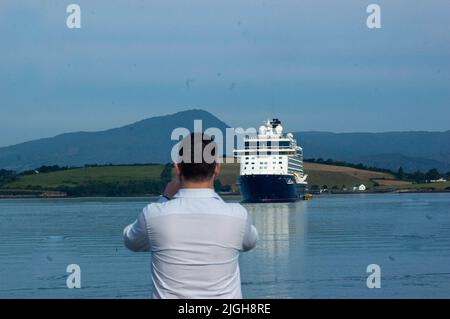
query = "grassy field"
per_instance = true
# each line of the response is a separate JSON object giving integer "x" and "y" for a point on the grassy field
{"x": 331, "y": 175}
{"x": 393, "y": 183}
{"x": 79, "y": 176}
{"x": 428, "y": 186}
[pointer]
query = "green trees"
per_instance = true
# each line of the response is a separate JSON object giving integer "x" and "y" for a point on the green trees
{"x": 7, "y": 176}
{"x": 98, "y": 188}
{"x": 419, "y": 177}
{"x": 400, "y": 173}
{"x": 432, "y": 174}
{"x": 45, "y": 169}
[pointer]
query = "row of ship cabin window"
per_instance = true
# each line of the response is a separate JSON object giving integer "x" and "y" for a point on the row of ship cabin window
{"x": 262, "y": 167}
{"x": 246, "y": 163}
{"x": 281, "y": 157}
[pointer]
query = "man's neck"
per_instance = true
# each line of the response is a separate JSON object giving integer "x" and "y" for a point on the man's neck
{"x": 189, "y": 184}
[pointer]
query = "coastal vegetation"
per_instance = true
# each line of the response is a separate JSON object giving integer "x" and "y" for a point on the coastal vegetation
{"x": 93, "y": 180}
{"x": 7, "y": 176}
{"x": 391, "y": 178}
{"x": 90, "y": 180}
{"x": 139, "y": 179}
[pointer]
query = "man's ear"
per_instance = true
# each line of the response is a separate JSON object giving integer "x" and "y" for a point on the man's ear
{"x": 217, "y": 169}
{"x": 178, "y": 169}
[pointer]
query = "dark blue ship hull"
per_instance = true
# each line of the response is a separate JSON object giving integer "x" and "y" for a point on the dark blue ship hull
{"x": 270, "y": 188}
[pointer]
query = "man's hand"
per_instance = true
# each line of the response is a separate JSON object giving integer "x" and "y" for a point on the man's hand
{"x": 172, "y": 188}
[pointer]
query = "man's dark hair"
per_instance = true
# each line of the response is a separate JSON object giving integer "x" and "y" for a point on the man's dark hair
{"x": 197, "y": 157}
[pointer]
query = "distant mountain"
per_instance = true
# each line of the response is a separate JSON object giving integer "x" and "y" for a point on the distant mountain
{"x": 148, "y": 141}
{"x": 410, "y": 150}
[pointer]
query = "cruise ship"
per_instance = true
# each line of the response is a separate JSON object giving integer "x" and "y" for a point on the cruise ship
{"x": 271, "y": 166}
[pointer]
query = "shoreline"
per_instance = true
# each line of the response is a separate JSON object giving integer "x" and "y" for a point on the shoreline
{"x": 61, "y": 196}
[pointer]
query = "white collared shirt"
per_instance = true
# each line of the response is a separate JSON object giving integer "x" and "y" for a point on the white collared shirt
{"x": 195, "y": 240}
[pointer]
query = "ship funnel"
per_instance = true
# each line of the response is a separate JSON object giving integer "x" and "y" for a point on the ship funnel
{"x": 275, "y": 122}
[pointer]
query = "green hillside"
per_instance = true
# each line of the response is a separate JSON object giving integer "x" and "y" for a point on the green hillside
{"x": 91, "y": 181}
{"x": 80, "y": 176}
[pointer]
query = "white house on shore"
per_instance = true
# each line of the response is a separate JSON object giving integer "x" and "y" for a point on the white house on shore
{"x": 440, "y": 180}
{"x": 359, "y": 188}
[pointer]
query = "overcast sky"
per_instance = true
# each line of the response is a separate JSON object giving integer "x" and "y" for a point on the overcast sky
{"x": 314, "y": 64}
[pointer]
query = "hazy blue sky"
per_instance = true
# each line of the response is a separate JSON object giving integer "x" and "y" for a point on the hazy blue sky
{"x": 314, "y": 64}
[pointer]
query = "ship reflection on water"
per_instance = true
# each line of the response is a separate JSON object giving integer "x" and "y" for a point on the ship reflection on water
{"x": 278, "y": 225}
{"x": 280, "y": 251}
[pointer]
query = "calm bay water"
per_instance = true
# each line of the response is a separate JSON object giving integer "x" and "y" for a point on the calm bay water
{"x": 309, "y": 249}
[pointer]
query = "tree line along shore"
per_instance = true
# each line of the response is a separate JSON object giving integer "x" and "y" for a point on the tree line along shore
{"x": 324, "y": 176}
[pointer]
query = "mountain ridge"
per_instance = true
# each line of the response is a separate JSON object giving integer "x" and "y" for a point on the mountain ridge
{"x": 146, "y": 141}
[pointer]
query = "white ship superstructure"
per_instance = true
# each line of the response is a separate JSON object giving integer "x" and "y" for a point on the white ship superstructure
{"x": 273, "y": 159}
